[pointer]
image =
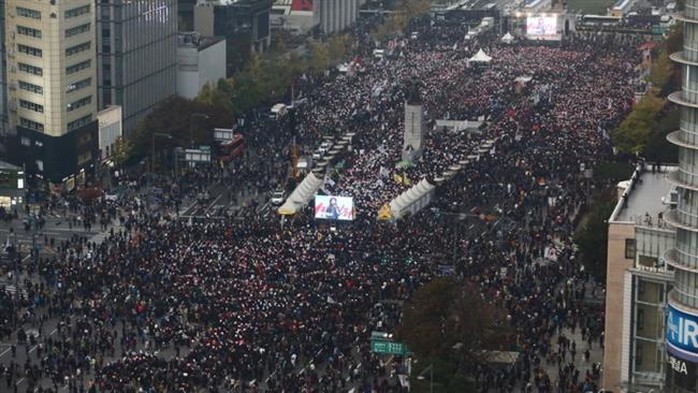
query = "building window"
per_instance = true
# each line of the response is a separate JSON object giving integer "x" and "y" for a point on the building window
{"x": 31, "y": 106}
{"x": 31, "y": 87}
{"x": 640, "y": 323}
{"x": 79, "y": 103}
{"x": 74, "y": 125}
{"x": 78, "y": 48}
{"x": 25, "y": 141}
{"x": 629, "y": 248}
{"x": 78, "y": 67}
{"x": 27, "y": 13}
{"x": 638, "y": 354}
{"x": 30, "y": 69}
{"x": 77, "y": 30}
{"x": 30, "y": 124}
{"x": 28, "y": 31}
{"x": 78, "y": 85}
{"x": 72, "y": 13}
{"x": 29, "y": 50}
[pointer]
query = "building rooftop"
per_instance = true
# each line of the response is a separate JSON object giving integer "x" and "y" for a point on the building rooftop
{"x": 194, "y": 39}
{"x": 645, "y": 195}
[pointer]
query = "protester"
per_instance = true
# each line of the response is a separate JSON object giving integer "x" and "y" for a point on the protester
{"x": 178, "y": 306}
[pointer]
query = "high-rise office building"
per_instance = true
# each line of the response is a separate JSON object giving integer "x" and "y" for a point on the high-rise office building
{"x": 637, "y": 282}
{"x": 137, "y": 55}
{"x": 243, "y": 23}
{"x": 682, "y": 310}
{"x": 4, "y": 129}
{"x": 185, "y": 10}
{"x": 51, "y": 84}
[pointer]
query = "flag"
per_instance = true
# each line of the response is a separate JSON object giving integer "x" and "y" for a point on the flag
{"x": 397, "y": 178}
{"x": 551, "y": 253}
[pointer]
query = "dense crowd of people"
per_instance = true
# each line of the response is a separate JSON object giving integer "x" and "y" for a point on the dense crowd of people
{"x": 178, "y": 306}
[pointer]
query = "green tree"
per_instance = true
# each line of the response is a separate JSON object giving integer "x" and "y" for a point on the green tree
{"x": 177, "y": 117}
{"x": 633, "y": 134}
{"x": 338, "y": 47}
{"x": 416, "y": 8}
{"x": 319, "y": 57}
{"x": 673, "y": 44}
{"x": 122, "y": 150}
{"x": 445, "y": 314}
{"x": 219, "y": 94}
{"x": 661, "y": 71}
{"x": 658, "y": 148}
{"x": 592, "y": 239}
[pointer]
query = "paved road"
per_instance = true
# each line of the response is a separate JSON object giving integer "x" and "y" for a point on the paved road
{"x": 57, "y": 228}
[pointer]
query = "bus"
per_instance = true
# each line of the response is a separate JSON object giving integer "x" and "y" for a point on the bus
{"x": 231, "y": 149}
{"x": 601, "y": 20}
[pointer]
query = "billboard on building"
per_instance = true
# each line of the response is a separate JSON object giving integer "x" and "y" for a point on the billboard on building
{"x": 302, "y": 5}
{"x": 682, "y": 333}
{"x": 680, "y": 373}
{"x": 330, "y": 207}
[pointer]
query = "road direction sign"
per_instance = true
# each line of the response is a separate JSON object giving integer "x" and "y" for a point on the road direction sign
{"x": 388, "y": 348}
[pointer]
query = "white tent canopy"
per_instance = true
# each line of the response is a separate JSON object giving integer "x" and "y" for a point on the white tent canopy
{"x": 300, "y": 197}
{"x": 480, "y": 57}
{"x": 524, "y": 79}
{"x": 508, "y": 38}
{"x": 412, "y": 200}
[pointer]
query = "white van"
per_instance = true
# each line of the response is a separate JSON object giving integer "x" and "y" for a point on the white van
{"x": 379, "y": 54}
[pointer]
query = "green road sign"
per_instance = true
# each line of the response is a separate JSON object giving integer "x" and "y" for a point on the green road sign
{"x": 388, "y": 348}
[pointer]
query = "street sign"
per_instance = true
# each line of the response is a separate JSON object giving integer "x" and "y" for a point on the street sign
{"x": 376, "y": 335}
{"x": 388, "y": 348}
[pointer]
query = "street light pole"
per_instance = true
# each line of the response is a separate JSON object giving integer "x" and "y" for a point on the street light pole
{"x": 431, "y": 376}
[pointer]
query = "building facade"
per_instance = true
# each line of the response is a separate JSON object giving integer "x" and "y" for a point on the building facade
{"x": 244, "y": 24}
{"x": 110, "y": 130}
{"x": 637, "y": 283}
{"x": 682, "y": 310}
{"x": 200, "y": 60}
{"x": 333, "y": 16}
{"x": 51, "y": 85}
{"x": 4, "y": 128}
{"x": 185, "y": 10}
{"x": 137, "y": 55}
{"x": 326, "y": 16}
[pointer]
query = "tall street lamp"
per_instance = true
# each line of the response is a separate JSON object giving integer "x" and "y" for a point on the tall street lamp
{"x": 431, "y": 377}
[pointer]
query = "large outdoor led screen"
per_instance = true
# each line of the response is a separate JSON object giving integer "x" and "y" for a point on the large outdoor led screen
{"x": 541, "y": 26}
{"x": 330, "y": 207}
